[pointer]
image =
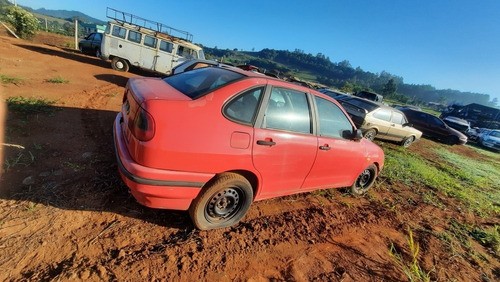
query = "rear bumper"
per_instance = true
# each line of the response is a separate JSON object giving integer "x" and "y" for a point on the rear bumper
{"x": 156, "y": 188}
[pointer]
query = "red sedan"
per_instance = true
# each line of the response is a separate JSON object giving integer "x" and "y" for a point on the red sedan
{"x": 213, "y": 140}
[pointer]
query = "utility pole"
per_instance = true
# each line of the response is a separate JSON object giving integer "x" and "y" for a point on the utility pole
{"x": 76, "y": 33}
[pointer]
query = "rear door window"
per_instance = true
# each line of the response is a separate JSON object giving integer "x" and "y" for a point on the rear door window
{"x": 288, "y": 110}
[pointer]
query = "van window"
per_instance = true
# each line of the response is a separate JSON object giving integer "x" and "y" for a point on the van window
{"x": 149, "y": 41}
{"x": 119, "y": 31}
{"x": 185, "y": 52}
{"x": 166, "y": 46}
{"x": 134, "y": 36}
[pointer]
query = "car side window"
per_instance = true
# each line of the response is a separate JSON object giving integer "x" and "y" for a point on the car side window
{"x": 118, "y": 31}
{"x": 134, "y": 36}
{"x": 98, "y": 36}
{"x": 244, "y": 107}
{"x": 383, "y": 114}
{"x": 398, "y": 118}
{"x": 288, "y": 110}
{"x": 434, "y": 120}
{"x": 332, "y": 121}
{"x": 166, "y": 46}
{"x": 150, "y": 41}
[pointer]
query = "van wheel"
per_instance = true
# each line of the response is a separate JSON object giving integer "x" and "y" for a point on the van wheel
{"x": 119, "y": 64}
{"x": 370, "y": 134}
{"x": 222, "y": 203}
{"x": 407, "y": 141}
{"x": 365, "y": 180}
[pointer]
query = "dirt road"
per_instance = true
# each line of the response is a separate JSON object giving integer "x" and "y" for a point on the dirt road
{"x": 66, "y": 216}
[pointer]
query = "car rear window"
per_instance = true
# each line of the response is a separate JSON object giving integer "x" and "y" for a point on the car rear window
{"x": 199, "y": 82}
{"x": 361, "y": 104}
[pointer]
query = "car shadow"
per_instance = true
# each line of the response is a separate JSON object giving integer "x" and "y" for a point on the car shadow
{"x": 65, "y": 158}
{"x": 114, "y": 79}
{"x": 76, "y": 55}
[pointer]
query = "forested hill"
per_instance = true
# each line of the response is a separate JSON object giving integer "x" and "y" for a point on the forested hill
{"x": 319, "y": 68}
{"x": 67, "y": 15}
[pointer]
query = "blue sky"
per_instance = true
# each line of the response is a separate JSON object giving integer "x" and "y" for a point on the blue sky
{"x": 450, "y": 44}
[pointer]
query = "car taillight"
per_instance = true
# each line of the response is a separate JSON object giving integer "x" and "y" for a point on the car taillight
{"x": 143, "y": 127}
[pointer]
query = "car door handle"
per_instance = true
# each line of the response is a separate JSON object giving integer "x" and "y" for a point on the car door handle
{"x": 267, "y": 142}
{"x": 325, "y": 147}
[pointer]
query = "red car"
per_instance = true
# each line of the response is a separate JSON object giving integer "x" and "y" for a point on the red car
{"x": 215, "y": 139}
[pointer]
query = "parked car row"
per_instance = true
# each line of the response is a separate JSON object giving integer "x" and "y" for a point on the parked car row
{"x": 489, "y": 138}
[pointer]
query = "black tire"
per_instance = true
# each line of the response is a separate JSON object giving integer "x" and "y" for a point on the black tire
{"x": 364, "y": 181}
{"x": 407, "y": 141}
{"x": 223, "y": 202}
{"x": 451, "y": 140}
{"x": 120, "y": 64}
{"x": 370, "y": 134}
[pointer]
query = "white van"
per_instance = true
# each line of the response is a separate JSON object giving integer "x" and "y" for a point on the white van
{"x": 127, "y": 43}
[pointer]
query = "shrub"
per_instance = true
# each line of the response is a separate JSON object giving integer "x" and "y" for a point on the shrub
{"x": 24, "y": 22}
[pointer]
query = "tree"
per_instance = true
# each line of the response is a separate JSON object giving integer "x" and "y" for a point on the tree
{"x": 390, "y": 88}
{"x": 24, "y": 22}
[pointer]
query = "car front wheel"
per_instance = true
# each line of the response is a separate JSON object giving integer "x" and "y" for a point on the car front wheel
{"x": 370, "y": 134}
{"x": 223, "y": 202}
{"x": 365, "y": 180}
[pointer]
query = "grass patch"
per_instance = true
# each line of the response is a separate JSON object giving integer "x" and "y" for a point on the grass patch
{"x": 476, "y": 183}
{"x": 5, "y": 79}
{"x": 57, "y": 80}
{"x": 30, "y": 105}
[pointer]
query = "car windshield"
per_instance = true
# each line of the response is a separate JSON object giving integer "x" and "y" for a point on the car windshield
{"x": 199, "y": 82}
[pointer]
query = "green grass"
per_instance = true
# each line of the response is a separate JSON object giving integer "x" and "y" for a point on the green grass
{"x": 410, "y": 266}
{"x": 57, "y": 80}
{"x": 476, "y": 183}
{"x": 9, "y": 79}
{"x": 30, "y": 105}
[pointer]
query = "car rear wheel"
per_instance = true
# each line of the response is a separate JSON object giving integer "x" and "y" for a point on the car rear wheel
{"x": 407, "y": 141}
{"x": 119, "y": 64}
{"x": 370, "y": 134}
{"x": 365, "y": 180}
{"x": 223, "y": 202}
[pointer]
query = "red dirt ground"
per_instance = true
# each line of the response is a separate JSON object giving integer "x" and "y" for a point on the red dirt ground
{"x": 66, "y": 216}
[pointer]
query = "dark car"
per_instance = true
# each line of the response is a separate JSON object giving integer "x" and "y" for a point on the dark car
{"x": 372, "y": 96}
{"x": 91, "y": 44}
{"x": 333, "y": 93}
{"x": 434, "y": 127}
{"x": 459, "y": 124}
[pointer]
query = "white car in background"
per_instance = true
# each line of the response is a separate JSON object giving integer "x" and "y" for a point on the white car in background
{"x": 490, "y": 139}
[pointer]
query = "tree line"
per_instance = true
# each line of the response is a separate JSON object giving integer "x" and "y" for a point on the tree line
{"x": 343, "y": 76}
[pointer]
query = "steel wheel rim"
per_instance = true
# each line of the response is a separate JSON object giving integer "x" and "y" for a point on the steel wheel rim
{"x": 370, "y": 135}
{"x": 119, "y": 65}
{"x": 408, "y": 142}
{"x": 364, "y": 178}
{"x": 224, "y": 204}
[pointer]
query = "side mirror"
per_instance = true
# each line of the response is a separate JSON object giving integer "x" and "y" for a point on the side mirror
{"x": 356, "y": 135}
{"x": 408, "y": 124}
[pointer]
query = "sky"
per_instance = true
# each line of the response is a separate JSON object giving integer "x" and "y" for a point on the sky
{"x": 449, "y": 44}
